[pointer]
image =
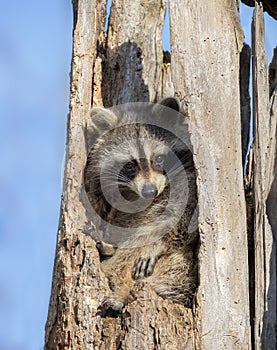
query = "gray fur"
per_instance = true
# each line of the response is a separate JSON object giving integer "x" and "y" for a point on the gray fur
{"x": 161, "y": 251}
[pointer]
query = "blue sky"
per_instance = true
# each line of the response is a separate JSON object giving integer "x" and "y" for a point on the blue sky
{"x": 35, "y": 42}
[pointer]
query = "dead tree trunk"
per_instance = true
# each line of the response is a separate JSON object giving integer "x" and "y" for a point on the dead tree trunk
{"x": 206, "y": 44}
{"x": 264, "y": 190}
{"x": 126, "y": 65}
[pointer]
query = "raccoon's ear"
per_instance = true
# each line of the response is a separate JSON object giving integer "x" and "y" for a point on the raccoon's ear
{"x": 171, "y": 102}
{"x": 102, "y": 119}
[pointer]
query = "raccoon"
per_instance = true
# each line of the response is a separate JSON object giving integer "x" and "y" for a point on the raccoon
{"x": 141, "y": 181}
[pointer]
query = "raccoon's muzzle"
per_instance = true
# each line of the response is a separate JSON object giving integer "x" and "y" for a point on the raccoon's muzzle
{"x": 149, "y": 190}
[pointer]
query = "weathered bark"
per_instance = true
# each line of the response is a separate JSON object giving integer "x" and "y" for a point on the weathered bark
{"x": 206, "y": 43}
{"x": 77, "y": 285}
{"x": 264, "y": 191}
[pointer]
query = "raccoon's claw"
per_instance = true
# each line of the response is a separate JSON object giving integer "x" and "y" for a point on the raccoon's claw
{"x": 111, "y": 306}
{"x": 143, "y": 267}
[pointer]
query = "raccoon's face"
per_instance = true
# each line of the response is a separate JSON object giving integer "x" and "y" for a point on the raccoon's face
{"x": 145, "y": 176}
{"x": 134, "y": 156}
{"x": 138, "y": 164}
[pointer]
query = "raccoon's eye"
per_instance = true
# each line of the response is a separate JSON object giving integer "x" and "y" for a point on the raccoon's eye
{"x": 159, "y": 159}
{"x": 130, "y": 165}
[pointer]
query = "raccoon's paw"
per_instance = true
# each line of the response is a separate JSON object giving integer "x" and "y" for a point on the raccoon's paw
{"x": 111, "y": 307}
{"x": 143, "y": 267}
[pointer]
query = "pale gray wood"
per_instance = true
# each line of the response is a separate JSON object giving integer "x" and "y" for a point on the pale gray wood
{"x": 264, "y": 188}
{"x": 206, "y": 43}
{"x": 77, "y": 286}
{"x": 132, "y": 67}
{"x": 271, "y": 212}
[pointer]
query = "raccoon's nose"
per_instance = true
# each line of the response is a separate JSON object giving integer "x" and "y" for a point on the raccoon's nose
{"x": 149, "y": 190}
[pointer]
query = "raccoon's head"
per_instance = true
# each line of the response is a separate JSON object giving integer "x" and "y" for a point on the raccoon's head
{"x": 133, "y": 152}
